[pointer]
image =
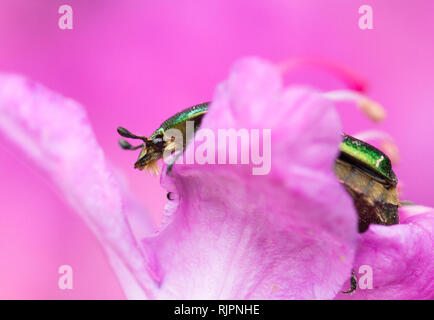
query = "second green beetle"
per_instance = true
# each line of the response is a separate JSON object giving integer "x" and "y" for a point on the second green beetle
{"x": 365, "y": 172}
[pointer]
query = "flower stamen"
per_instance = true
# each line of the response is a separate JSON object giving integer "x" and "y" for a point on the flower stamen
{"x": 371, "y": 108}
{"x": 347, "y": 76}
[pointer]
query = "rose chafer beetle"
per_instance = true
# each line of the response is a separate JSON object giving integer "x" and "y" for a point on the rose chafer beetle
{"x": 154, "y": 146}
{"x": 367, "y": 175}
{"x": 364, "y": 171}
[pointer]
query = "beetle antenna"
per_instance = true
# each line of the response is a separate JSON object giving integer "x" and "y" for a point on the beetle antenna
{"x": 125, "y": 133}
{"x": 127, "y": 146}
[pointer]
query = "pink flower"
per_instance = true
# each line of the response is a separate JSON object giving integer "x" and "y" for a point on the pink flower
{"x": 401, "y": 257}
{"x": 290, "y": 234}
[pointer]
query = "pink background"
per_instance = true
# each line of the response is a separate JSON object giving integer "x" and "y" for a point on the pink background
{"x": 134, "y": 63}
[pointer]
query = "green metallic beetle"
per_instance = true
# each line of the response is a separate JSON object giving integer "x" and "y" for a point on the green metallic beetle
{"x": 365, "y": 172}
{"x": 154, "y": 146}
{"x": 367, "y": 175}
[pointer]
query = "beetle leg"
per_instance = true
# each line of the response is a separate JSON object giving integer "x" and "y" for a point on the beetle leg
{"x": 353, "y": 283}
{"x": 170, "y": 166}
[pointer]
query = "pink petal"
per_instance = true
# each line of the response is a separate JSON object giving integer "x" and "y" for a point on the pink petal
{"x": 55, "y": 134}
{"x": 407, "y": 211}
{"x": 401, "y": 258}
{"x": 233, "y": 235}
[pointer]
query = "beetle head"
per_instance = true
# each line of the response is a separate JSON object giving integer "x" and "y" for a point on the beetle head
{"x": 152, "y": 149}
{"x": 151, "y": 152}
